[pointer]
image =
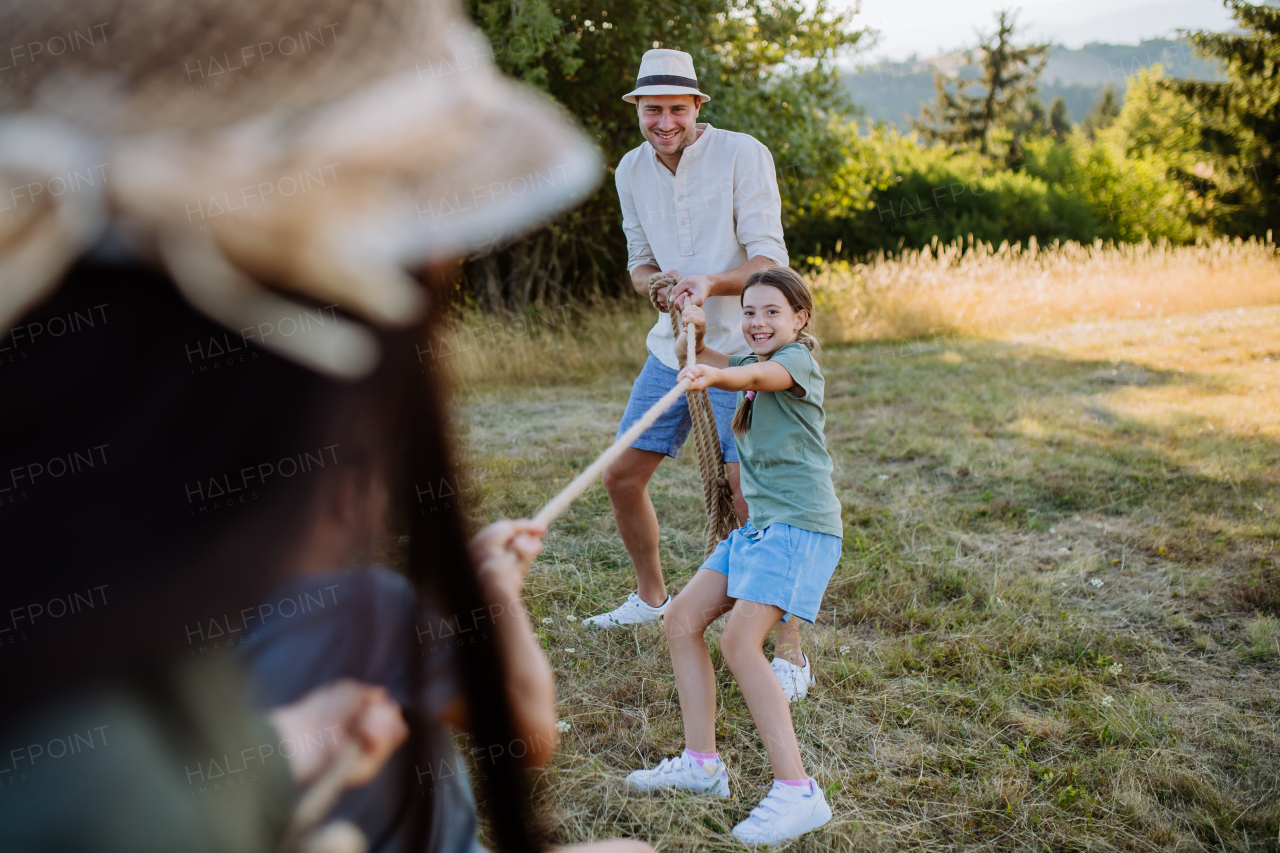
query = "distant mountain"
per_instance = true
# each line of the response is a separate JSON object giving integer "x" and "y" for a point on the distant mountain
{"x": 893, "y": 91}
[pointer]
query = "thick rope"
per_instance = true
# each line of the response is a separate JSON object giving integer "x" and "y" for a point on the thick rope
{"x": 716, "y": 494}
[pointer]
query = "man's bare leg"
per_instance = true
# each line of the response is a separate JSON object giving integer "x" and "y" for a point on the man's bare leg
{"x": 627, "y": 482}
{"x": 786, "y": 640}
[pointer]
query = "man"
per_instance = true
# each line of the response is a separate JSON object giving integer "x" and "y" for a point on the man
{"x": 702, "y": 205}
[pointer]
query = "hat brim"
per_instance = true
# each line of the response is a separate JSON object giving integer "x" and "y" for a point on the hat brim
{"x": 631, "y": 96}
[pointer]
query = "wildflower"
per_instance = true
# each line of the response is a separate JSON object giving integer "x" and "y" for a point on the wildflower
{"x": 844, "y": 650}
{"x": 1115, "y": 669}
{"x": 1096, "y": 582}
{"x": 884, "y": 476}
{"x": 563, "y": 726}
{"x": 569, "y": 651}
{"x": 1106, "y": 701}
{"x": 1064, "y": 550}
{"x": 547, "y": 621}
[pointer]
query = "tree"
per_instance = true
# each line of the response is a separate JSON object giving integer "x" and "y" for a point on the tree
{"x": 1161, "y": 128}
{"x": 769, "y": 66}
{"x": 978, "y": 105}
{"x": 1240, "y": 118}
{"x": 1059, "y": 120}
{"x": 1028, "y": 123}
{"x": 1104, "y": 112}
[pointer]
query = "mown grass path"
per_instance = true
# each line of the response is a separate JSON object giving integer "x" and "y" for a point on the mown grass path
{"x": 1054, "y": 623}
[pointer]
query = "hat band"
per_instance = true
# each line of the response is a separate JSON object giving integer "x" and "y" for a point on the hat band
{"x": 667, "y": 80}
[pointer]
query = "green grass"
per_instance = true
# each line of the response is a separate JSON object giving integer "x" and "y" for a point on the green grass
{"x": 1053, "y": 626}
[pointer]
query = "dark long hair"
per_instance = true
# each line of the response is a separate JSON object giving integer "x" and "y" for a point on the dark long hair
{"x": 797, "y": 294}
{"x": 122, "y": 413}
{"x": 440, "y": 564}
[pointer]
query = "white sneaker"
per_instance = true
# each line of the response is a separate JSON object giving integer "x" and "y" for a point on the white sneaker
{"x": 633, "y": 611}
{"x": 683, "y": 773}
{"x": 795, "y": 680}
{"x": 786, "y": 812}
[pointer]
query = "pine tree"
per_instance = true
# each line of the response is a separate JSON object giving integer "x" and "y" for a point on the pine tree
{"x": 1104, "y": 112}
{"x": 978, "y": 105}
{"x": 1029, "y": 123}
{"x": 1059, "y": 121}
{"x": 1240, "y": 118}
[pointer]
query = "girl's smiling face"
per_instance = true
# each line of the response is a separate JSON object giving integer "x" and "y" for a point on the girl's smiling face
{"x": 768, "y": 321}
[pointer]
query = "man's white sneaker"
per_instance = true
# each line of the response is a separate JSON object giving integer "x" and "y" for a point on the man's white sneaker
{"x": 684, "y": 773}
{"x": 786, "y": 812}
{"x": 633, "y": 611}
{"x": 795, "y": 680}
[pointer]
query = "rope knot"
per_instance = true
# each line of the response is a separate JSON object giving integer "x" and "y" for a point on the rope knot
{"x": 657, "y": 282}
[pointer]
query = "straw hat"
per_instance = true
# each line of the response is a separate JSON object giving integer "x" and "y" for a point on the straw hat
{"x": 321, "y": 147}
{"x": 665, "y": 72}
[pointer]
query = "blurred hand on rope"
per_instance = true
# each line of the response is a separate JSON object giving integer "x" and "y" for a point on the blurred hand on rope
{"x": 338, "y": 713}
{"x": 502, "y": 554}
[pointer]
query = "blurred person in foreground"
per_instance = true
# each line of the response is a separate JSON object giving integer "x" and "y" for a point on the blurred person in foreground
{"x": 211, "y": 393}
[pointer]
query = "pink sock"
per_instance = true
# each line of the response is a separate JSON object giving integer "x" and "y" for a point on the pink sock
{"x": 703, "y": 756}
{"x": 797, "y": 783}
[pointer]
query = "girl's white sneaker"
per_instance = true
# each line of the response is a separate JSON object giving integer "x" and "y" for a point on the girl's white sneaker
{"x": 680, "y": 772}
{"x": 795, "y": 680}
{"x": 786, "y": 812}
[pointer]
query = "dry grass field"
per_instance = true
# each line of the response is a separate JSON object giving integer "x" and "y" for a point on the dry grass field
{"x": 1056, "y": 623}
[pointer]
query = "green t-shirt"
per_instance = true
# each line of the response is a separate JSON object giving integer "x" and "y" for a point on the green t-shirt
{"x": 785, "y": 467}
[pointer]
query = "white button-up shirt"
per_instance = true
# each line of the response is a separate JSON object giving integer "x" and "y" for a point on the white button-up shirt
{"x": 720, "y": 209}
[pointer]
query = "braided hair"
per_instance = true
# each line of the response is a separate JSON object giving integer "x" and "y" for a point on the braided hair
{"x": 797, "y": 294}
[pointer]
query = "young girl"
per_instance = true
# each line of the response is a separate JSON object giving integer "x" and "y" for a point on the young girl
{"x": 775, "y": 567}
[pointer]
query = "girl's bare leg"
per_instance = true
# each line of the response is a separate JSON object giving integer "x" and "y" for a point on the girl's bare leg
{"x": 742, "y": 643}
{"x": 701, "y": 602}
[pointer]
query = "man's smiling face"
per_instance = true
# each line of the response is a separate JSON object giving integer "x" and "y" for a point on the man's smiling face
{"x": 668, "y": 122}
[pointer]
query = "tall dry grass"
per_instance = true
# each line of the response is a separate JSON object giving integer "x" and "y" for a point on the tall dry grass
{"x": 981, "y": 289}
{"x": 943, "y": 289}
{"x": 545, "y": 347}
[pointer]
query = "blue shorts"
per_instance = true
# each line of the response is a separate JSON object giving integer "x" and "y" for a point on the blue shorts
{"x": 672, "y": 427}
{"x": 785, "y": 566}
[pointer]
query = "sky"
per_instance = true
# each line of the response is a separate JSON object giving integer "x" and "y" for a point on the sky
{"x": 930, "y": 27}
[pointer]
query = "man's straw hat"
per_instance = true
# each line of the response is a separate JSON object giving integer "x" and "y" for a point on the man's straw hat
{"x": 665, "y": 72}
{"x": 321, "y": 147}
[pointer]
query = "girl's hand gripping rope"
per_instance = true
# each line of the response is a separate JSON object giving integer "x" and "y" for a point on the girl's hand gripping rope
{"x": 700, "y": 376}
{"x": 690, "y": 314}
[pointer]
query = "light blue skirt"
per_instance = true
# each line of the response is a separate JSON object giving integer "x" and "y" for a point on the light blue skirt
{"x": 782, "y": 565}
